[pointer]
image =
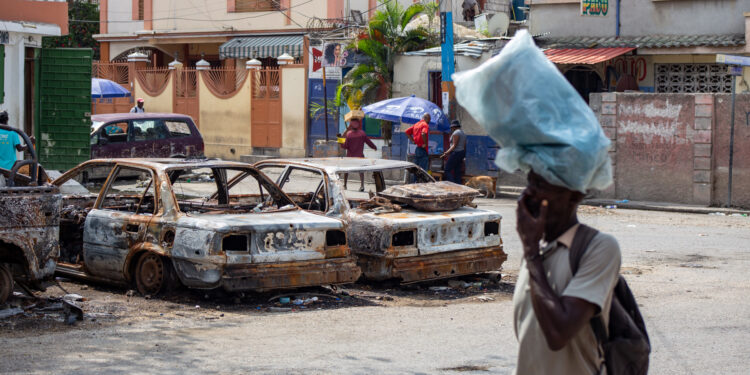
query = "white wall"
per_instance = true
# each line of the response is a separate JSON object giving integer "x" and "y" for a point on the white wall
{"x": 14, "y": 87}
{"x": 121, "y": 13}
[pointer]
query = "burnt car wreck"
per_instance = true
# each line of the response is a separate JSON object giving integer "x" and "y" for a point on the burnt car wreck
{"x": 398, "y": 229}
{"x": 159, "y": 222}
{"x": 29, "y": 223}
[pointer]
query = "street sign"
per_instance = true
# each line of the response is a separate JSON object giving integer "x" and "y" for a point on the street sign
{"x": 732, "y": 60}
{"x": 735, "y": 70}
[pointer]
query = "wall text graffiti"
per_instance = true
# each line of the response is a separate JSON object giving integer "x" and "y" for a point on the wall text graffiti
{"x": 594, "y": 7}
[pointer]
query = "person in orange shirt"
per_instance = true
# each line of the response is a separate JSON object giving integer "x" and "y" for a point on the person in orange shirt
{"x": 419, "y": 134}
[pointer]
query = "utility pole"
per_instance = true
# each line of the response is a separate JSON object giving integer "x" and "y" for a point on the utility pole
{"x": 446, "y": 54}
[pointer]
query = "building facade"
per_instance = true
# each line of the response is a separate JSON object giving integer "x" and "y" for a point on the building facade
{"x": 22, "y": 25}
{"x": 662, "y": 46}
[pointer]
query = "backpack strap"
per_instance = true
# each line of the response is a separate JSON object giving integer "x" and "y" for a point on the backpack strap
{"x": 581, "y": 241}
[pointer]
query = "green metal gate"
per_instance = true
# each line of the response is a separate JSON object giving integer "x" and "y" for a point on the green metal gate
{"x": 65, "y": 107}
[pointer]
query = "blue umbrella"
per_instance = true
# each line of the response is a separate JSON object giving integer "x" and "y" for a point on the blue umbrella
{"x": 409, "y": 110}
{"x": 104, "y": 88}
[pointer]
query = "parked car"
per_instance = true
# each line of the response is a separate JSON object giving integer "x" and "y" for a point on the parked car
{"x": 29, "y": 223}
{"x": 156, "y": 222}
{"x": 144, "y": 135}
{"x": 402, "y": 243}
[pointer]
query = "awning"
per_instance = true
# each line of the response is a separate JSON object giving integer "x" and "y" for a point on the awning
{"x": 584, "y": 55}
{"x": 249, "y": 47}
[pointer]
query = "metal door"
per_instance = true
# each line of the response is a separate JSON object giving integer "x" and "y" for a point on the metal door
{"x": 186, "y": 94}
{"x": 265, "y": 116}
{"x": 65, "y": 107}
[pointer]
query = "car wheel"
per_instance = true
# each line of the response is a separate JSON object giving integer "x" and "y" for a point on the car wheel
{"x": 153, "y": 274}
{"x": 6, "y": 283}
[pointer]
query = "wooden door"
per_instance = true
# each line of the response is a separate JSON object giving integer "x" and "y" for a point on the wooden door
{"x": 265, "y": 116}
{"x": 186, "y": 94}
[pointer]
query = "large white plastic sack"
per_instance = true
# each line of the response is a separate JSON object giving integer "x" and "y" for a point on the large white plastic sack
{"x": 537, "y": 117}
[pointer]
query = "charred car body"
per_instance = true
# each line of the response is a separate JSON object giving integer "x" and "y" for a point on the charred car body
{"x": 29, "y": 223}
{"x": 395, "y": 240}
{"x": 157, "y": 221}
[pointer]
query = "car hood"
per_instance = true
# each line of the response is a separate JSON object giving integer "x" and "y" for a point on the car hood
{"x": 267, "y": 221}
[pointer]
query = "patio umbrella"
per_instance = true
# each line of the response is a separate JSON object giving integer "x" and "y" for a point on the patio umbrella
{"x": 104, "y": 88}
{"x": 409, "y": 110}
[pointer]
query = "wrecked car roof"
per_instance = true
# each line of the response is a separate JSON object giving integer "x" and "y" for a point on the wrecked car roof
{"x": 165, "y": 164}
{"x": 334, "y": 165}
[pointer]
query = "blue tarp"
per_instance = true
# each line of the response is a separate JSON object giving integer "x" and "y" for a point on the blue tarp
{"x": 537, "y": 117}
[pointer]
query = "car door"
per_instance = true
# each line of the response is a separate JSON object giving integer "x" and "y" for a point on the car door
{"x": 119, "y": 221}
{"x": 111, "y": 141}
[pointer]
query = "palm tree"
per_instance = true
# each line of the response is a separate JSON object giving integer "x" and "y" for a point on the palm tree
{"x": 385, "y": 37}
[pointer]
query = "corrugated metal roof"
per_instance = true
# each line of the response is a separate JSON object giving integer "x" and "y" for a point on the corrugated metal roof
{"x": 471, "y": 49}
{"x": 651, "y": 41}
{"x": 261, "y": 46}
{"x": 584, "y": 55}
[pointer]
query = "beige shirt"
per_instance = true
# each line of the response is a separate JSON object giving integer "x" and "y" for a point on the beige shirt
{"x": 594, "y": 282}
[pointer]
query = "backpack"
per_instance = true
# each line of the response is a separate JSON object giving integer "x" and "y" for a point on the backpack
{"x": 627, "y": 348}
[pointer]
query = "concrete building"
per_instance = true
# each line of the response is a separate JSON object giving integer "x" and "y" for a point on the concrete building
{"x": 223, "y": 32}
{"x": 664, "y": 46}
{"x": 23, "y": 23}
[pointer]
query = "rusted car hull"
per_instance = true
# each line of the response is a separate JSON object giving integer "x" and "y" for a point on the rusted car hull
{"x": 260, "y": 277}
{"x": 434, "y": 266}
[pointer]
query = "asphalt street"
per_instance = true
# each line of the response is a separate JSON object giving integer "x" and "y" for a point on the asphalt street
{"x": 688, "y": 272}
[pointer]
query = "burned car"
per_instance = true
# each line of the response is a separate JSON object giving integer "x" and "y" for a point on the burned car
{"x": 413, "y": 241}
{"x": 29, "y": 216}
{"x": 157, "y": 222}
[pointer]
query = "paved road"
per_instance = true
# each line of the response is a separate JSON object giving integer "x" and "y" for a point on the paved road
{"x": 688, "y": 271}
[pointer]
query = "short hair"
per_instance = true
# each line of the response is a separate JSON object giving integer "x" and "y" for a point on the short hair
{"x": 455, "y": 124}
{"x": 4, "y": 117}
{"x": 426, "y": 115}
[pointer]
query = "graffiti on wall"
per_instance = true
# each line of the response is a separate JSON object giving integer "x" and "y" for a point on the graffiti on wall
{"x": 594, "y": 7}
{"x": 652, "y": 132}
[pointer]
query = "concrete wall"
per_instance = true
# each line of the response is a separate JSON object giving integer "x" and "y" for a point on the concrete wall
{"x": 293, "y": 111}
{"x": 411, "y": 77}
{"x": 121, "y": 11}
{"x": 674, "y": 147}
{"x": 160, "y": 103}
{"x": 641, "y": 17}
{"x": 225, "y": 122}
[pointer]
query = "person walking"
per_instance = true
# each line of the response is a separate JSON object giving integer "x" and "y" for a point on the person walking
{"x": 419, "y": 135}
{"x": 10, "y": 143}
{"x": 138, "y": 106}
{"x": 455, "y": 154}
{"x": 356, "y": 138}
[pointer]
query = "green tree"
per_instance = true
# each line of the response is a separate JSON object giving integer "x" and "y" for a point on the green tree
{"x": 83, "y": 23}
{"x": 386, "y": 36}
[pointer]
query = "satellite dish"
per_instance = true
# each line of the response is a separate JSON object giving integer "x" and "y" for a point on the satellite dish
{"x": 498, "y": 24}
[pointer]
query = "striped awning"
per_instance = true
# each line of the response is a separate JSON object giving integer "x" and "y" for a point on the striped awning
{"x": 584, "y": 55}
{"x": 248, "y": 47}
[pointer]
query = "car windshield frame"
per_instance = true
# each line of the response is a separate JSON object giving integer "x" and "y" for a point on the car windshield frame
{"x": 272, "y": 190}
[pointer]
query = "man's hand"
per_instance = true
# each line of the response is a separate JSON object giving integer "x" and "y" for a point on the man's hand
{"x": 444, "y": 155}
{"x": 530, "y": 228}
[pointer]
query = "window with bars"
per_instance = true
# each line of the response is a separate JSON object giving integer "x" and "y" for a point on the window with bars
{"x": 140, "y": 10}
{"x": 256, "y": 5}
{"x": 692, "y": 78}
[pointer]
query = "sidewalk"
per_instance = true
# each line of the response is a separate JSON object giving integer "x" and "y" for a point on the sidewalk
{"x": 514, "y": 192}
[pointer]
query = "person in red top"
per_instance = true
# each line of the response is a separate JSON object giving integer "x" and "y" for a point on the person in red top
{"x": 355, "y": 145}
{"x": 418, "y": 133}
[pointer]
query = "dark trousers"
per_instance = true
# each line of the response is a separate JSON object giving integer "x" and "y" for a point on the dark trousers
{"x": 421, "y": 158}
{"x": 453, "y": 166}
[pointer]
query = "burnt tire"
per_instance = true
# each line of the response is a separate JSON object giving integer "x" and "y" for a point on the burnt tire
{"x": 154, "y": 275}
{"x": 6, "y": 283}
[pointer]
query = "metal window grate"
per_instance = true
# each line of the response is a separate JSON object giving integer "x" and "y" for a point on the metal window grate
{"x": 692, "y": 78}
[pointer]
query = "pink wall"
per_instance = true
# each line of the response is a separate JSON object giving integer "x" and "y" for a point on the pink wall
{"x": 741, "y": 163}
{"x": 655, "y": 147}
